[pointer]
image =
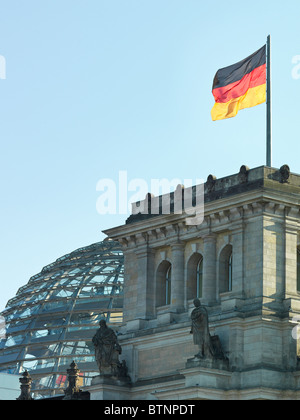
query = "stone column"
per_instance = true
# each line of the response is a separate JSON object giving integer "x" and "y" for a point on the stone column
{"x": 237, "y": 236}
{"x": 209, "y": 269}
{"x": 291, "y": 231}
{"x": 130, "y": 282}
{"x": 177, "y": 277}
{"x": 145, "y": 308}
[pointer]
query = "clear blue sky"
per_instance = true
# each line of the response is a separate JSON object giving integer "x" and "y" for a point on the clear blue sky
{"x": 95, "y": 87}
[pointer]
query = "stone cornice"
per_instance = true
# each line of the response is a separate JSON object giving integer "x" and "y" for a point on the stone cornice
{"x": 220, "y": 216}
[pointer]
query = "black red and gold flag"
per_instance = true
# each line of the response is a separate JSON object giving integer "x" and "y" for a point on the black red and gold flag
{"x": 241, "y": 85}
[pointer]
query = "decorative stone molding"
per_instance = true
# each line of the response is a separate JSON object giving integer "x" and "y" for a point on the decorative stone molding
{"x": 280, "y": 209}
{"x": 141, "y": 238}
{"x": 248, "y": 210}
{"x": 171, "y": 230}
{"x": 123, "y": 242}
{"x": 215, "y": 219}
{"x": 224, "y": 216}
{"x": 292, "y": 212}
{"x": 257, "y": 207}
{"x": 235, "y": 213}
{"x": 270, "y": 207}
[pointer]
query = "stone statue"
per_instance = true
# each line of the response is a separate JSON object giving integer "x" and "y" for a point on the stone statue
{"x": 284, "y": 173}
{"x": 107, "y": 350}
{"x": 200, "y": 331}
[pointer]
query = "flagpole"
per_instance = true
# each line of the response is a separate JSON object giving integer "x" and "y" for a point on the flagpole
{"x": 269, "y": 104}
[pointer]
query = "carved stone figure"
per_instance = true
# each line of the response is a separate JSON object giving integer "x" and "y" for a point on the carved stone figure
{"x": 25, "y": 382}
{"x": 210, "y": 183}
{"x": 73, "y": 392}
{"x": 200, "y": 331}
{"x": 284, "y": 173}
{"x": 243, "y": 174}
{"x": 210, "y": 348}
{"x": 107, "y": 350}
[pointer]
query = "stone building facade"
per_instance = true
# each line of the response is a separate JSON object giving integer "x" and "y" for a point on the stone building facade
{"x": 242, "y": 261}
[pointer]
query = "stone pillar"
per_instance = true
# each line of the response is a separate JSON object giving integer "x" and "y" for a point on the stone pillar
{"x": 209, "y": 269}
{"x": 130, "y": 283}
{"x": 237, "y": 236}
{"x": 177, "y": 277}
{"x": 291, "y": 231}
{"x": 145, "y": 308}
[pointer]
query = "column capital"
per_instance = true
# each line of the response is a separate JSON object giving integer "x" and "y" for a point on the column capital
{"x": 210, "y": 237}
{"x": 178, "y": 245}
{"x": 143, "y": 251}
{"x": 237, "y": 227}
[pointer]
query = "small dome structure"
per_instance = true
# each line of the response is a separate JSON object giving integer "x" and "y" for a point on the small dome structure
{"x": 52, "y": 319}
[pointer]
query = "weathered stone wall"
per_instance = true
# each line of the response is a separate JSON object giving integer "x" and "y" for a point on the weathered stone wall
{"x": 256, "y": 214}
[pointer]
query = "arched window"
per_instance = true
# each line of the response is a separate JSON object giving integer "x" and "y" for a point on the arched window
{"x": 226, "y": 269}
{"x": 298, "y": 269}
{"x": 163, "y": 284}
{"x": 194, "y": 276}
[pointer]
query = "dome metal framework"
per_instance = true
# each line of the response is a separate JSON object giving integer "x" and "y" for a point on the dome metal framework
{"x": 52, "y": 319}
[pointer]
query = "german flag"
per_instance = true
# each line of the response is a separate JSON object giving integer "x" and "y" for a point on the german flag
{"x": 241, "y": 85}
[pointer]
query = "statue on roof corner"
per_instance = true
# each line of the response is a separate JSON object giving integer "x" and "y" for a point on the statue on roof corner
{"x": 107, "y": 351}
{"x": 209, "y": 346}
{"x": 200, "y": 331}
{"x": 210, "y": 352}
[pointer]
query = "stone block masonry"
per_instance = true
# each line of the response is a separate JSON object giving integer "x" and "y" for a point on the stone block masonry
{"x": 248, "y": 242}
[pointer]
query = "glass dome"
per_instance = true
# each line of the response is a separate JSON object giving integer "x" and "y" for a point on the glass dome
{"x": 52, "y": 319}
